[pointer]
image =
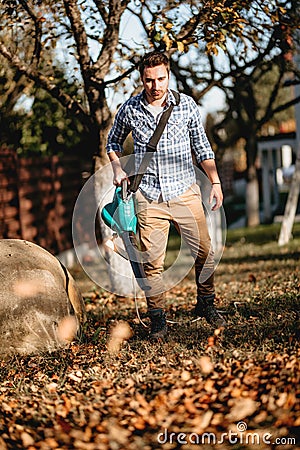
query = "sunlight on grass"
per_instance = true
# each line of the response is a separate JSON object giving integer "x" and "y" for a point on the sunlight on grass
{"x": 260, "y": 234}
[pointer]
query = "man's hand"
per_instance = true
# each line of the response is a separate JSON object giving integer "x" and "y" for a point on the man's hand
{"x": 217, "y": 195}
{"x": 119, "y": 173}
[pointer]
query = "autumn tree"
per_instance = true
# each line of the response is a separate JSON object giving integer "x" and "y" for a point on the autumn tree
{"x": 255, "y": 99}
{"x": 12, "y": 86}
{"x": 46, "y": 129}
{"x": 32, "y": 121}
{"x": 87, "y": 36}
{"x": 237, "y": 58}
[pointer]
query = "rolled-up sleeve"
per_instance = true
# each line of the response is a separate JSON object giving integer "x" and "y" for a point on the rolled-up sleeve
{"x": 118, "y": 132}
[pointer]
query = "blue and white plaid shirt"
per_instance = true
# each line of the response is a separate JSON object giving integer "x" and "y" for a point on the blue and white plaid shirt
{"x": 171, "y": 170}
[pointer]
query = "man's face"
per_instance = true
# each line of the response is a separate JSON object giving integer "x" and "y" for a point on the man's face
{"x": 155, "y": 81}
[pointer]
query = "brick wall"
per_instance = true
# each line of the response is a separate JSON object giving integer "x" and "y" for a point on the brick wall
{"x": 37, "y": 197}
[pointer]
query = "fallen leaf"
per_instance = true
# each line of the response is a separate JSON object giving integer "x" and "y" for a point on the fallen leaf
{"x": 242, "y": 408}
{"x": 67, "y": 329}
{"x": 27, "y": 439}
{"x": 205, "y": 364}
{"x": 119, "y": 333}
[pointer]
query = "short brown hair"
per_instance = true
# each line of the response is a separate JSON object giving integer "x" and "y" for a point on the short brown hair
{"x": 154, "y": 59}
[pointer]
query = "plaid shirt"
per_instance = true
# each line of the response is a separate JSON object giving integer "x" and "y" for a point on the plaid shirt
{"x": 171, "y": 170}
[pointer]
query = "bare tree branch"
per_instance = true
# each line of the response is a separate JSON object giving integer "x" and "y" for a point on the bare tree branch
{"x": 286, "y": 105}
{"x": 80, "y": 37}
{"x": 110, "y": 37}
{"x": 38, "y": 31}
{"x": 102, "y": 10}
{"x": 120, "y": 77}
{"x": 42, "y": 81}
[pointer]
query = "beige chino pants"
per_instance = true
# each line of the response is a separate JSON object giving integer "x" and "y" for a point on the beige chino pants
{"x": 187, "y": 214}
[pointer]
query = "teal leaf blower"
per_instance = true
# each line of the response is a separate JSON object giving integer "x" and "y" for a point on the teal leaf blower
{"x": 119, "y": 215}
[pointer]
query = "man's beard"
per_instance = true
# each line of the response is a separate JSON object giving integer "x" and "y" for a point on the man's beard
{"x": 157, "y": 94}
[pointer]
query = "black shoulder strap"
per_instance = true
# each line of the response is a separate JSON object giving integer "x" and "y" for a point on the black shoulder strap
{"x": 152, "y": 144}
{"x": 177, "y": 96}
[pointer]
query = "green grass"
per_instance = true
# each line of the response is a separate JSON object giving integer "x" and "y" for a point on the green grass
{"x": 260, "y": 234}
{"x": 262, "y": 239}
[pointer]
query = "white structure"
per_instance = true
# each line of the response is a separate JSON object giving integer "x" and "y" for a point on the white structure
{"x": 276, "y": 164}
{"x": 291, "y": 205}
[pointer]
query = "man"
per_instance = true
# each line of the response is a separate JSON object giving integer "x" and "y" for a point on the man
{"x": 168, "y": 191}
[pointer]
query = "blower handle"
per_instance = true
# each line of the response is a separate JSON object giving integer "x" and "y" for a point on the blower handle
{"x": 124, "y": 186}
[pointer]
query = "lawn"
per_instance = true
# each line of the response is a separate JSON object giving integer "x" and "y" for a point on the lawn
{"x": 237, "y": 388}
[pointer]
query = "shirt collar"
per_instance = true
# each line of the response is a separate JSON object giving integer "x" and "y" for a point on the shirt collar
{"x": 170, "y": 98}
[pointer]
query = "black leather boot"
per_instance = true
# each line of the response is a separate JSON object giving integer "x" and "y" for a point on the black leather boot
{"x": 205, "y": 308}
{"x": 158, "y": 324}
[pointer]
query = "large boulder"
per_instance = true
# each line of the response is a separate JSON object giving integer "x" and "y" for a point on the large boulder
{"x": 41, "y": 308}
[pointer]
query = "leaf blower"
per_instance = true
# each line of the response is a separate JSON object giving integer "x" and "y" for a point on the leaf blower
{"x": 120, "y": 216}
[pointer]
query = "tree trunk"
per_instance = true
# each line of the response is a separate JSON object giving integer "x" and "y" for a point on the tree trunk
{"x": 121, "y": 278}
{"x": 252, "y": 199}
{"x": 252, "y": 190}
{"x": 120, "y": 274}
{"x": 292, "y": 201}
{"x": 290, "y": 208}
